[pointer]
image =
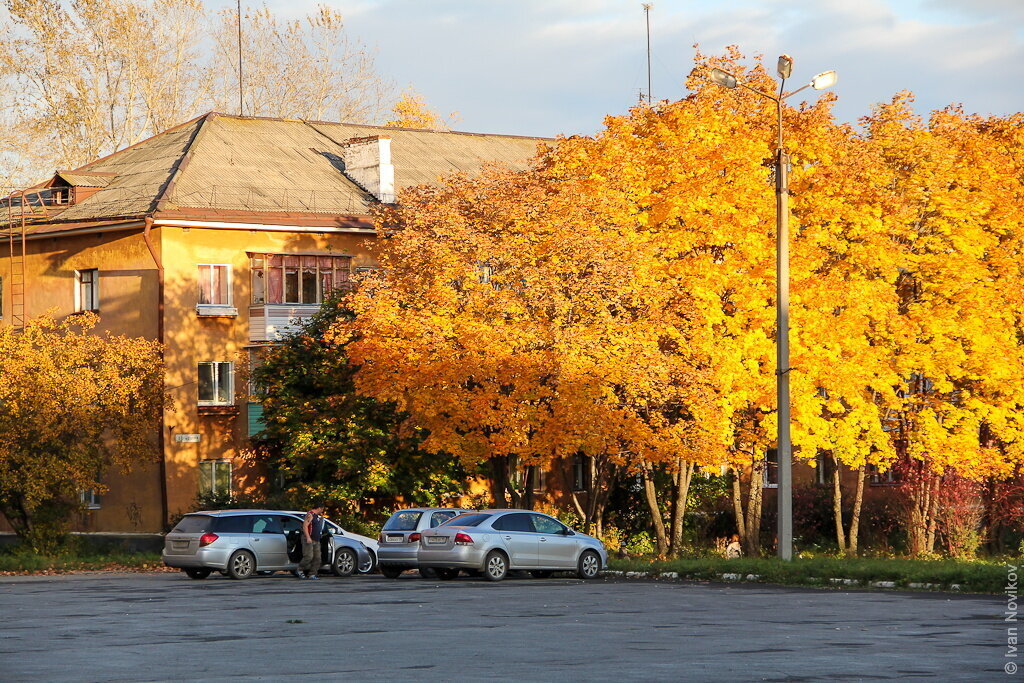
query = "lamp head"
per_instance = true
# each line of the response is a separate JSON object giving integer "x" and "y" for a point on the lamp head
{"x": 785, "y": 66}
{"x": 724, "y": 78}
{"x": 824, "y": 80}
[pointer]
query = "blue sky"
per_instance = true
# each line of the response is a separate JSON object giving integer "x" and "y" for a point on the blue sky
{"x": 543, "y": 67}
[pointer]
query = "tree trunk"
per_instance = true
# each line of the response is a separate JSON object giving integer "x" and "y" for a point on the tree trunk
{"x": 858, "y": 502}
{"x": 682, "y": 479}
{"x": 737, "y": 506}
{"x": 837, "y": 507}
{"x": 499, "y": 481}
{"x": 651, "y": 496}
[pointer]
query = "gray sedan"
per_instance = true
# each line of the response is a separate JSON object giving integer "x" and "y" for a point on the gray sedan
{"x": 495, "y": 542}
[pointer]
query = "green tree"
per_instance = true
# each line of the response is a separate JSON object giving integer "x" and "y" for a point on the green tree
{"x": 328, "y": 441}
{"x": 72, "y": 405}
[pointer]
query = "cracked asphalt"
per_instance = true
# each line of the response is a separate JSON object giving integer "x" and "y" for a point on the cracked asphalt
{"x": 165, "y": 627}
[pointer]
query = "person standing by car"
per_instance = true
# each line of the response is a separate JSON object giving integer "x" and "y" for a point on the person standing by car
{"x": 312, "y": 528}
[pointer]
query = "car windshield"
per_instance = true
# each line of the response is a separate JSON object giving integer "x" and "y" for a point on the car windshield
{"x": 193, "y": 524}
{"x": 406, "y": 520}
{"x": 472, "y": 519}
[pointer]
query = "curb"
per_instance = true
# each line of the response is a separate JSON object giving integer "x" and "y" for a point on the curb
{"x": 811, "y": 580}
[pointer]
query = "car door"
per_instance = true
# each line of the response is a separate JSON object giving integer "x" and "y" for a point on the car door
{"x": 268, "y": 541}
{"x": 555, "y": 548}
{"x": 293, "y": 538}
{"x": 517, "y": 534}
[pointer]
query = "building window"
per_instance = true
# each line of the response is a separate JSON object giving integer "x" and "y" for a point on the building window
{"x": 824, "y": 469}
{"x": 214, "y": 284}
{"x": 579, "y": 472}
{"x": 216, "y": 383}
{"x": 771, "y": 469}
{"x": 877, "y": 478}
{"x": 87, "y": 290}
{"x": 287, "y": 279}
{"x": 536, "y": 479}
{"x": 215, "y": 477}
{"x": 89, "y": 499}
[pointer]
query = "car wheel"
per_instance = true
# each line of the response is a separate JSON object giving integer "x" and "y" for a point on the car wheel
{"x": 241, "y": 565}
{"x": 197, "y": 573}
{"x": 391, "y": 572}
{"x": 367, "y": 567}
{"x": 589, "y": 565}
{"x": 447, "y": 574}
{"x": 427, "y": 573}
{"x": 344, "y": 563}
{"x": 541, "y": 573}
{"x": 495, "y": 565}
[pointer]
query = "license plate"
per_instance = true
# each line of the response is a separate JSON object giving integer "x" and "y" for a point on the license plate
{"x": 180, "y": 545}
{"x": 436, "y": 539}
{"x": 395, "y": 539}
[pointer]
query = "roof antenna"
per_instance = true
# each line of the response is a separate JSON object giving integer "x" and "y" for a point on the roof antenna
{"x": 240, "y": 110}
{"x": 647, "y": 15}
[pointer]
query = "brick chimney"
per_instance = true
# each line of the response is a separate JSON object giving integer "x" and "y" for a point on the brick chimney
{"x": 368, "y": 163}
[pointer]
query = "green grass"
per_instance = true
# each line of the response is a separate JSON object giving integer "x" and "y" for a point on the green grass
{"x": 981, "y": 576}
{"x": 28, "y": 562}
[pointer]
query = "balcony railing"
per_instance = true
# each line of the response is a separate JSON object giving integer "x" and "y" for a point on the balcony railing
{"x": 271, "y": 322}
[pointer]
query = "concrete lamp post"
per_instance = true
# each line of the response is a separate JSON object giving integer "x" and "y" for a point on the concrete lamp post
{"x": 785, "y": 443}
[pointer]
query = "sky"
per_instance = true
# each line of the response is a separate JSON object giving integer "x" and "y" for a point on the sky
{"x": 548, "y": 67}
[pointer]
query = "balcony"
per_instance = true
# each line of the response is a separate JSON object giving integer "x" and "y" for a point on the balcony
{"x": 272, "y": 322}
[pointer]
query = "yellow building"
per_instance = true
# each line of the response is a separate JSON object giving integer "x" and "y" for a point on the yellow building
{"x": 214, "y": 237}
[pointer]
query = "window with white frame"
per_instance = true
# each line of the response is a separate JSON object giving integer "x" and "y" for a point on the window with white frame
{"x": 579, "y": 472}
{"x": 214, "y": 284}
{"x": 297, "y": 279}
{"x": 87, "y": 290}
{"x": 216, "y": 383}
{"x": 215, "y": 477}
{"x": 771, "y": 469}
{"x": 89, "y": 499}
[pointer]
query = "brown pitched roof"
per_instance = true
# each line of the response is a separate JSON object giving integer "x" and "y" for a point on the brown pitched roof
{"x": 230, "y": 164}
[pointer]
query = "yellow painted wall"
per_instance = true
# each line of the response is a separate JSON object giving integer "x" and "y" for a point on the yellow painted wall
{"x": 129, "y": 305}
{"x": 191, "y": 339}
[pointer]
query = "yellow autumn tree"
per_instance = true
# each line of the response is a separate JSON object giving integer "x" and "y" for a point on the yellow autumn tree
{"x": 72, "y": 405}
{"x": 411, "y": 111}
{"x": 521, "y": 323}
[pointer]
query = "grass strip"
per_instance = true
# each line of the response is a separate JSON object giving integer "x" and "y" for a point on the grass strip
{"x": 978, "y": 577}
{"x": 33, "y": 563}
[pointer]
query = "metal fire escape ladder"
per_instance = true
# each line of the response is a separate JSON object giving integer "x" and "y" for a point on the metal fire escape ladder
{"x": 17, "y": 285}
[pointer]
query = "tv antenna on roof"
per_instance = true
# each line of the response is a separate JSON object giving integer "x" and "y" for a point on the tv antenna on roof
{"x": 239, "y": 5}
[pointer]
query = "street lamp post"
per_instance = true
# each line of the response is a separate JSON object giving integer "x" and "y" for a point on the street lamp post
{"x": 785, "y": 443}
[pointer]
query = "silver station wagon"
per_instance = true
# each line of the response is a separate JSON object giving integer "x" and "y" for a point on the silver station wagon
{"x": 496, "y": 542}
{"x": 240, "y": 543}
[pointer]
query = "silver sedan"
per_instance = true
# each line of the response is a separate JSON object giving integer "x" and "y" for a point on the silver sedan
{"x": 495, "y": 542}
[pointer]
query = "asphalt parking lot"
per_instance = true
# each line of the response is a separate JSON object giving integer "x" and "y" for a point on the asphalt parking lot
{"x": 157, "y": 627}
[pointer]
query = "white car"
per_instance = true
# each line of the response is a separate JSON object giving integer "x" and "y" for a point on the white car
{"x": 370, "y": 543}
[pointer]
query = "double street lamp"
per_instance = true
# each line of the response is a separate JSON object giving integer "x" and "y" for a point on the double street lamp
{"x": 785, "y": 443}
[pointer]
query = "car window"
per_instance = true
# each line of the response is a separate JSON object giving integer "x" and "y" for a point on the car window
{"x": 193, "y": 524}
{"x": 290, "y": 523}
{"x": 240, "y": 524}
{"x": 403, "y": 520}
{"x": 516, "y": 521}
{"x": 439, "y": 518}
{"x": 472, "y": 519}
{"x": 546, "y": 525}
{"x": 267, "y": 524}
